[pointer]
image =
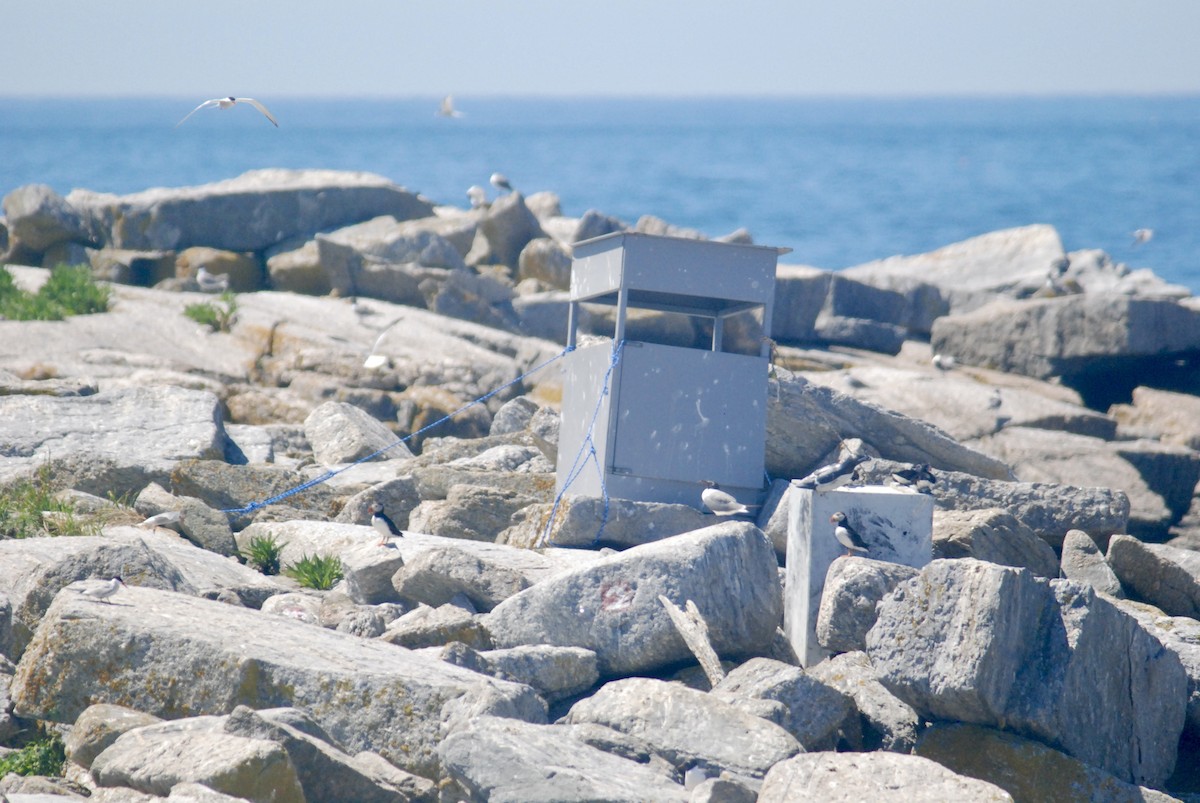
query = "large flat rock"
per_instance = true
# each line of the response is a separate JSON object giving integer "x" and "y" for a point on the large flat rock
{"x": 176, "y": 656}
{"x": 248, "y": 213}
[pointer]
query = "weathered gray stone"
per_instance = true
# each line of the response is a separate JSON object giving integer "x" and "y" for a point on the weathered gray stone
{"x": 324, "y": 771}
{"x": 437, "y": 574}
{"x": 154, "y": 758}
{"x": 513, "y": 416}
{"x": 546, "y": 260}
{"x": 1071, "y": 336}
{"x": 343, "y": 433}
{"x": 962, "y": 276}
{"x": 1049, "y": 509}
{"x": 506, "y": 761}
{"x": 399, "y": 498}
{"x": 728, "y": 570}
{"x": 503, "y": 232}
{"x": 98, "y": 727}
{"x": 299, "y": 606}
{"x": 544, "y": 428}
{"x": 248, "y": 213}
{"x": 200, "y": 524}
{"x": 1164, "y": 576}
{"x": 687, "y": 727}
{"x": 994, "y": 535}
{"x": 800, "y": 293}
{"x": 853, "y": 587}
{"x": 120, "y": 439}
{"x": 294, "y": 266}
{"x": 368, "y": 570}
{"x": 558, "y": 673}
{"x": 1026, "y": 769}
{"x": 1083, "y": 562}
{"x": 805, "y": 422}
{"x": 242, "y": 272}
{"x": 585, "y": 521}
{"x": 884, "y": 721}
{"x": 813, "y": 711}
{"x": 860, "y": 333}
{"x": 1180, "y": 635}
{"x": 991, "y": 645}
{"x": 37, "y": 217}
{"x": 593, "y": 223}
{"x": 428, "y": 626}
{"x": 1172, "y": 417}
{"x": 134, "y": 653}
{"x": 34, "y": 570}
{"x": 884, "y": 777}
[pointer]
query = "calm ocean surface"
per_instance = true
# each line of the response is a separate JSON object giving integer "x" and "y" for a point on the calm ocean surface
{"x": 840, "y": 181}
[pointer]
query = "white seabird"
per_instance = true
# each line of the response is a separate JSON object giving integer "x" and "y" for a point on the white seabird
{"x": 478, "y": 196}
{"x": 101, "y": 592}
{"x": 446, "y": 108}
{"x": 846, "y": 535}
{"x": 500, "y": 182}
{"x": 168, "y": 518}
{"x": 1141, "y": 236}
{"x": 722, "y": 503}
{"x": 211, "y": 282}
{"x": 383, "y": 524}
{"x": 229, "y": 103}
{"x": 943, "y": 362}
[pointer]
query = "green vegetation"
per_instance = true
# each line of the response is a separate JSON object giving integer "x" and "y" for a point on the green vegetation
{"x": 43, "y": 756}
{"x": 29, "y": 509}
{"x": 263, "y": 554}
{"x": 70, "y": 290}
{"x": 218, "y": 318}
{"x": 319, "y": 572}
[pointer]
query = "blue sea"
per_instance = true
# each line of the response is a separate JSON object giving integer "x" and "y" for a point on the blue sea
{"x": 839, "y": 181}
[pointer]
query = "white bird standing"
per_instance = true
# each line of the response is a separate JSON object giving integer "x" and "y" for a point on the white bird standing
{"x": 846, "y": 535}
{"x": 722, "y": 503}
{"x": 383, "y": 524}
{"x": 446, "y": 109}
{"x": 102, "y": 591}
{"x": 501, "y": 182}
{"x": 478, "y": 196}
{"x": 211, "y": 282}
{"x": 229, "y": 103}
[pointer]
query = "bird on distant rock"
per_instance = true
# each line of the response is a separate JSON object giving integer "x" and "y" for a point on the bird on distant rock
{"x": 721, "y": 502}
{"x": 383, "y": 524}
{"x": 477, "y": 196}
{"x": 834, "y": 475}
{"x": 500, "y": 182}
{"x": 229, "y": 103}
{"x": 847, "y": 536}
{"x": 102, "y": 591}
{"x": 168, "y": 518}
{"x": 943, "y": 362}
{"x": 1142, "y": 236}
{"x": 995, "y": 400}
{"x": 211, "y": 282}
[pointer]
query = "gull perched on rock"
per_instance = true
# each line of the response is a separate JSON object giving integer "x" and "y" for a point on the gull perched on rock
{"x": 168, "y": 518}
{"x": 834, "y": 475}
{"x": 101, "y": 592}
{"x": 211, "y": 282}
{"x": 722, "y": 503}
{"x": 846, "y": 535}
{"x": 501, "y": 182}
{"x": 383, "y": 524}
{"x": 229, "y": 103}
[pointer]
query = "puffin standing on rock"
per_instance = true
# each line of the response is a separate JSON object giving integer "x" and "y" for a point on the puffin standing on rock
{"x": 383, "y": 524}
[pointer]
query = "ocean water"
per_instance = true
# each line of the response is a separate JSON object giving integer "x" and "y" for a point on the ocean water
{"x": 839, "y": 181}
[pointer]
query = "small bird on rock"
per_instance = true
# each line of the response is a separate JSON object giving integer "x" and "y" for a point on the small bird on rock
{"x": 847, "y": 536}
{"x": 919, "y": 477}
{"x": 834, "y": 475}
{"x": 102, "y": 591}
{"x": 722, "y": 503}
{"x": 943, "y": 362}
{"x": 229, "y": 103}
{"x": 500, "y": 182}
{"x": 211, "y": 282}
{"x": 478, "y": 196}
{"x": 383, "y": 524}
{"x": 168, "y": 518}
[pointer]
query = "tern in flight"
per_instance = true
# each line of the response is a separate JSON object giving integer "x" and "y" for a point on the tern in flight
{"x": 229, "y": 103}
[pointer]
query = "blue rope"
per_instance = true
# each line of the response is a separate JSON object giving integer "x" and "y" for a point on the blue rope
{"x": 328, "y": 475}
{"x": 587, "y": 452}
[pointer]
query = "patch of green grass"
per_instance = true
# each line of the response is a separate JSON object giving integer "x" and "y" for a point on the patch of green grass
{"x": 263, "y": 553}
{"x": 318, "y": 571}
{"x": 219, "y": 318}
{"x": 28, "y": 509}
{"x": 70, "y": 290}
{"x": 40, "y": 757}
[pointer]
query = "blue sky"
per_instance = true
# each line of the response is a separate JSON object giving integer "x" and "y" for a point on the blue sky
{"x": 274, "y": 48}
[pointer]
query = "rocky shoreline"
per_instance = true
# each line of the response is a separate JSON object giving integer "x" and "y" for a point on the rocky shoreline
{"x": 507, "y": 647}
